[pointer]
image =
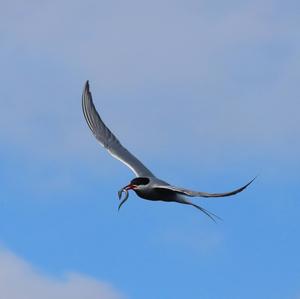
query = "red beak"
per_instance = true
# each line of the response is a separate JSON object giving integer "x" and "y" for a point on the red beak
{"x": 129, "y": 187}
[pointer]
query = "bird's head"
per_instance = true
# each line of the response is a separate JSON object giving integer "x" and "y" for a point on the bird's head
{"x": 136, "y": 184}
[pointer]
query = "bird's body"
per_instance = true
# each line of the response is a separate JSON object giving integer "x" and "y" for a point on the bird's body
{"x": 146, "y": 185}
{"x": 152, "y": 192}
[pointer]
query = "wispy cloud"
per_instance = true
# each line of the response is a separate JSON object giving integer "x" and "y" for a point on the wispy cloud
{"x": 229, "y": 75}
{"x": 19, "y": 280}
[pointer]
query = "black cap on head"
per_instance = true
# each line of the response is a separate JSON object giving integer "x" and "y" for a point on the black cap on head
{"x": 140, "y": 181}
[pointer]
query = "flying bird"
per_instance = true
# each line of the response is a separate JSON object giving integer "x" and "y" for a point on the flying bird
{"x": 146, "y": 185}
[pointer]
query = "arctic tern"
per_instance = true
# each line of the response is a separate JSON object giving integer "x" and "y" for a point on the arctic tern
{"x": 146, "y": 185}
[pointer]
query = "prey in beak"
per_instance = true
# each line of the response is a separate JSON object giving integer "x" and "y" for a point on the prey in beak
{"x": 125, "y": 190}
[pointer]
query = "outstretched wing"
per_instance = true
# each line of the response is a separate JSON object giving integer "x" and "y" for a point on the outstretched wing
{"x": 203, "y": 194}
{"x": 107, "y": 138}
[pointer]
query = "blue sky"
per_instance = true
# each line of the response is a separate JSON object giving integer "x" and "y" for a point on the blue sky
{"x": 205, "y": 94}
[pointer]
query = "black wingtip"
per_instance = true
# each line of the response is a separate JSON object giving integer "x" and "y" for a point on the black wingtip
{"x": 86, "y": 89}
{"x": 250, "y": 182}
{"x": 242, "y": 188}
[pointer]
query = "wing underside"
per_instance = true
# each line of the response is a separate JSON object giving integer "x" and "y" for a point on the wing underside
{"x": 203, "y": 194}
{"x": 107, "y": 138}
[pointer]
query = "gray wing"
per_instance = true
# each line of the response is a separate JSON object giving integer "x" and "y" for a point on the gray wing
{"x": 107, "y": 138}
{"x": 203, "y": 194}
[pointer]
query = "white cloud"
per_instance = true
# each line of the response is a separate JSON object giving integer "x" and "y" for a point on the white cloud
{"x": 125, "y": 44}
{"x": 19, "y": 280}
{"x": 228, "y": 76}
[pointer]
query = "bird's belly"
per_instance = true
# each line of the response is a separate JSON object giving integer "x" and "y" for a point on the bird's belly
{"x": 157, "y": 194}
